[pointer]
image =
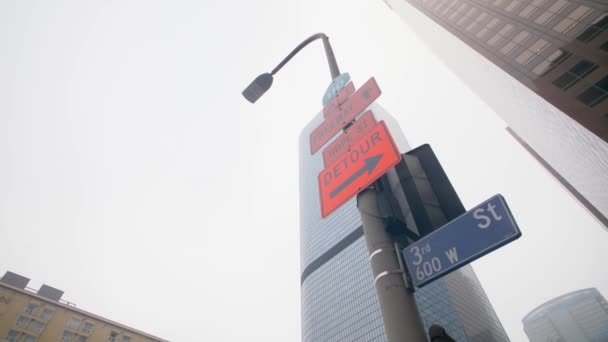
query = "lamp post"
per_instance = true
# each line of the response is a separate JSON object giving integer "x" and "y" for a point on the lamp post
{"x": 400, "y": 315}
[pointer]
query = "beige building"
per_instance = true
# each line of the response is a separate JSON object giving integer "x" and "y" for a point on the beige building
{"x": 27, "y": 315}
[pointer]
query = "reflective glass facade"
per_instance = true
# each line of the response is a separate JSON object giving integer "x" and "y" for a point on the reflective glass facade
{"x": 542, "y": 65}
{"x": 577, "y": 316}
{"x": 339, "y": 301}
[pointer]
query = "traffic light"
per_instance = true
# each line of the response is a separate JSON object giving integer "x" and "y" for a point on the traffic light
{"x": 421, "y": 198}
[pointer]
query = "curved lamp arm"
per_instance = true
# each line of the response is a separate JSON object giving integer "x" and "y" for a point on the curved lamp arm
{"x": 262, "y": 83}
{"x": 331, "y": 59}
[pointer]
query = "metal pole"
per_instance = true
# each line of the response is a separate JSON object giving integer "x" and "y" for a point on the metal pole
{"x": 400, "y": 314}
{"x": 331, "y": 59}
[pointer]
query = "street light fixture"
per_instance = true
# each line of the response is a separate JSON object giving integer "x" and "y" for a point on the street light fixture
{"x": 262, "y": 83}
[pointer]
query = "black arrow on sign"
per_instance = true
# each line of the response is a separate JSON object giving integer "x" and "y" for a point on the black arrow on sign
{"x": 370, "y": 165}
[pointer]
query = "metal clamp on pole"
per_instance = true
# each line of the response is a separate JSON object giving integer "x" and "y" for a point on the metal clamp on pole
{"x": 406, "y": 275}
{"x": 387, "y": 272}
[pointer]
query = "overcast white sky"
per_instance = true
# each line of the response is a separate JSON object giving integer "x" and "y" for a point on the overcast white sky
{"x": 135, "y": 177}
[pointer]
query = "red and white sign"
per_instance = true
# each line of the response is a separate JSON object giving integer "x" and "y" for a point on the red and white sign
{"x": 343, "y": 143}
{"x": 334, "y": 104}
{"x": 367, "y": 160}
{"x": 355, "y": 104}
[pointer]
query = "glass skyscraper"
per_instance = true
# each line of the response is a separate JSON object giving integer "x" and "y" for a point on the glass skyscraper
{"x": 339, "y": 300}
{"x": 580, "y": 316}
{"x": 542, "y": 65}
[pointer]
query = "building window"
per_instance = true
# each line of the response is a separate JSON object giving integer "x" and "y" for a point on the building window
{"x": 595, "y": 94}
{"x": 508, "y": 47}
{"x": 67, "y": 336}
{"x": 87, "y": 327}
{"x": 74, "y": 323}
{"x": 12, "y": 336}
{"x": 575, "y": 74}
{"x": 531, "y": 8}
{"x": 539, "y": 46}
{"x": 28, "y": 338}
{"x": 532, "y": 51}
{"x": 440, "y": 5}
{"x": 47, "y": 313}
{"x": 450, "y": 6}
{"x": 429, "y": 3}
{"x": 596, "y": 28}
{"x": 31, "y": 308}
{"x": 113, "y": 336}
{"x": 551, "y": 12}
{"x": 22, "y": 321}
{"x": 470, "y": 14}
{"x": 473, "y": 26}
{"x": 80, "y": 338}
{"x": 604, "y": 46}
{"x": 524, "y": 57}
{"x": 497, "y": 3}
{"x": 526, "y": 11}
{"x": 37, "y": 326}
{"x": 521, "y": 36}
{"x": 556, "y": 58}
{"x": 433, "y": 3}
{"x": 503, "y": 32}
{"x": 456, "y": 12}
{"x": 126, "y": 339}
{"x": 490, "y": 25}
{"x": 512, "y": 5}
{"x": 572, "y": 19}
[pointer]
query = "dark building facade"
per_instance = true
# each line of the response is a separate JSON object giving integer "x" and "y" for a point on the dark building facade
{"x": 557, "y": 48}
{"x": 580, "y": 316}
{"x": 339, "y": 300}
{"x": 542, "y": 65}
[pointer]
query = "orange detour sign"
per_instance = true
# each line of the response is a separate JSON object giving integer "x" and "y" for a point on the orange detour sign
{"x": 344, "y": 143}
{"x": 363, "y": 164}
{"x": 355, "y": 104}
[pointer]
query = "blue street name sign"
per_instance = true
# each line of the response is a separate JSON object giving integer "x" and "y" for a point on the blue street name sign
{"x": 335, "y": 86}
{"x": 470, "y": 236}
